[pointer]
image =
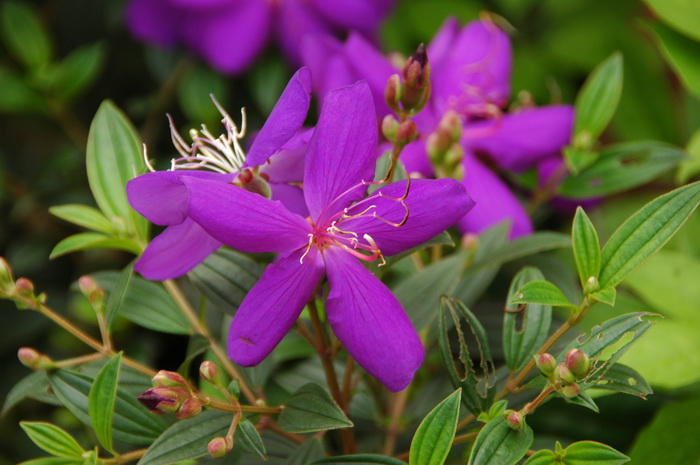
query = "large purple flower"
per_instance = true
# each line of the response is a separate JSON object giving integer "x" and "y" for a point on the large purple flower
{"x": 230, "y": 34}
{"x": 343, "y": 226}
{"x": 161, "y": 196}
{"x": 470, "y": 69}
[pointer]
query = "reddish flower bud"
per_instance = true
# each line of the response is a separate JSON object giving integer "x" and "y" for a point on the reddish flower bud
{"x": 563, "y": 374}
{"x": 210, "y": 372}
{"x": 515, "y": 419}
{"x": 219, "y": 447}
{"x": 390, "y": 127}
{"x": 416, "y": 81}
{"x": 24, "y": 287}
{"x": 34, "y": 360}
{"x": 578, "y": 363}
{"x": 392, "y": 93}
{"x": 164, "y": 399}
{"x": 189, "y": 408}
{"x": 169, "y": 379}
{"x": 570, "y": 390}
{"x": 546, "y": 363}
{"x": 407, "y": 132}
{"x": 91, "y": 290}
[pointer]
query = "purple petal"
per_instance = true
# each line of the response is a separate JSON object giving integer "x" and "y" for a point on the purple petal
{"x": 295, "y": 20}
{"x": 176, "y": 251}
{"x": 291, "y": 196}
{"x": 285, "y": 120}
{"x": 494, "y": 202}
{"x": 521, "y": 139}
{"x": 442, "y": 42}
{"x": 154, "y": 21}
{"x": 354, "y": 14}
{"x": 272, "y": 306}
{"x": 415, "y": 158}
{"x": 162, "y": 197}
{"x": 322, "y": 53}
{"x": 370, "y": 322}
{"x": 342, "y": 150}
{"x": 287, "y": 164}
{"x": 243, "y": 220}
{"x": 433, "y": 205}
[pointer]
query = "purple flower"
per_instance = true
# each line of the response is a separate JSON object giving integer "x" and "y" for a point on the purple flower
{"x": 470, "y": 69}
{"x": 161, "y": 196}
{"x": 230, "y": 34}
{"x": 343, "y": 226}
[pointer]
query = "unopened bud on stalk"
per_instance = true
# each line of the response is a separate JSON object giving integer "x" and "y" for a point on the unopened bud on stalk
{"x": 219, "y": 447}
{"x": 392, "y": 93}
{"x": 390, "y": 126}
{"x": 570, "y": 390}
{"x": 7, "y": 282}
{"x": 24, "y": 287}
{"x": 416, "y": 81}
{"x": 169, "y": 379}
{"x": 210, "y": 372}
{"x": 189, "y": 408}
{"x": 451, "y": 123}
{"x": 563, "y": 374}
{"x": 164, "y": 399}
{"x": 546, "y": 363}
{"x": 591, "y": 285}
{"x": 254, "y": 183}
{"x": 407, "y": 132}
{"x": 469, "y": 242}
{"x": 90, "y": 289}
{"x": 34, "y": 360}
{"x": 578, "y": 363}
{"x": 514, "y": 419}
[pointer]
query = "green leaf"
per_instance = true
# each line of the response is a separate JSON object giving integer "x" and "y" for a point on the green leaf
{"x": 360, "y": 459}
{"x": 542, "y": 457}
{"x": 225, "y": 278}
{"x": 621, "y": 167}
{"x": 682, "y": 53}
{"x": 682, "y": 15}
{"x": 620, "y": 378}
{"x": 508, "y": 251}
{"x": 54, "y": 461}
{"x": 524, "y": 329}
{"x": 143, "y": 302}
{"x": 24, "y": 34}
{"x": 541, "y": 292}
{"x": 17, "y": 96}
{"x": 187, "y": 439}
{"x": 645, "y": 232}
{"x": 584, "y": 400}
{"x": 34, "y": 383}
{"x": 433, "y": 439}
{"x": 499, "y": 444}
{"x": 311, "y": 409}
{"x": 605, "y": 296}
{"x": 309, "y": 452}
{"x": 82, "y": 241}
{"x": 586, "y": 247}
{"x": 266, "y": 81}
{"x": 250, "y": 439}
{"x": 478, "y": 390}
{"x": 52, "y": 439}
{"x": 101, "y": 401}
{"x": 690, "y": 166}
{"x": 132, "y": 422}
{"x": 78, "y": 70}
{"x": 196, "y": 346}
{"x": 443, "y": 238}
{"x": 598, "y": 98}
{"x": 113, "y": 158}
{"x": 578, "y": 159}
{"x": 82, "y": 215}
{"x": 194, "y": 92}
{"x": 592, "y": 453}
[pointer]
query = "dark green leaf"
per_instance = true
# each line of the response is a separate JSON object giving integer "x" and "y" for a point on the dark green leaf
{"x": 113, "y": 158}
{"x": 598, "y": 99}
{"x": 196, "y": 346}
{"x": 24, "y": 34}
{"x": 52, "y": 439}
{"x": 606, "y": 296}
{"x": 194, "y": 92}
{"x": 478, "y": 390}
{"x": 584, "y": 400}
{"x": 311, "y": 409}
{"x": 266, "y": 82}
{"x": 540, "y": 292}
{"x": 250, "y": 439}
{"x": 307, "y": 453}
{"x": 499, "y": 444}
{"x": 360, "y": 459}
{"x": 35, "y": 382}
{"x": 592, "y": 453}
{"x": 443, "y": 238}
{"x": 682, "y": 53}
{"x": 645, "y": 232}
{"x": 132, "y": 423}
{"x": 433, "y": 439}
{"x": 620, "y": 378}
{"x": 525, "y": 328}
{"x": 82, "y": 241}
{"x": 82, "y": 215}
{"x": 586, "y": 247}
{"x": 621, "y": 167}
{"x": 225, "y": 278}
{"x": 78, "y": 70}
{"x": 17, "y": 96}
{"x": 101, "y": 400}
{"x": 187, "y": 439}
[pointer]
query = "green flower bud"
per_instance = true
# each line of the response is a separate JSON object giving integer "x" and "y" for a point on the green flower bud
{"x": 390, "y": 127}
{"x": 563, "y": 374}
{"x": 578, "y": 363}
{"x": 515, "y": 419}
{"x": 219, "y": 447}
{"x": 7, "y": 282}
{"x": 210, "y": 372}
{"x": 591, "y": 285}
{"x": 169, "y": 379}
{"x": 546, "y": 363}
{"x": 34, "y": 360}
{"x": 189, "y": 408}
{"x": 392, "y": 93}
{"x": 570, "y": 390}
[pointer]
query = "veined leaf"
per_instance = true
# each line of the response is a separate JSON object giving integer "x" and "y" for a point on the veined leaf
{"x": 433, "y": 439}
{"x": 52, "y": 439}
{"x": 541, "y": 292}
{"x": 82, "y": 241}
{"x": 85, "y": 216}
{"x": 308, "y": 452}
{"x": 499, "y": 444}
{"x": 598, "y": 99}
{"x": 311, "y": 409}
{"x": 250, "y": 439}
{"x": 683, "y": 15}
{"x": 101, "y": 400}
{"x": 360, "y": 459}
{"x": 620, "y": 378}
{"x": 35, "y": 382}
{"x": 592, "y": 453}
{"x": 586, "y": 247}
{"x": 78, "y": 70}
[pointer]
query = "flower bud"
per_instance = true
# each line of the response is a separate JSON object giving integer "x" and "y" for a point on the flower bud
{"x": 390, "y": 127}
{"x": 470, "y": 242}
{"x": 570, "y": 390}
{"x": 164, "y": 399}
{"x": 451, "y": 123}
{"x": 169, "y": 379}
{"x": 591, "y": 285}
{"x": 219, "y": 447}
{"x": 416, "y": 81}
{"x": 578, "y": 363}
{"x": 30, "y": 358}
{"x": 90, "y": 289}
{"x": 437, "y": 144}
{"x": 407, "y": 132}
{"x": 7, "y": 282}
{"x": 24, "y": 287}
{"x": 514, "y": 419}
{"x": 546, "y": 363}
{"x": 392, "y": 93}
{"x": 189, "y": 408}
{"x": 563, "y": 374}
{"x": 454, "y": 155}
{"x": 210, "y": 372}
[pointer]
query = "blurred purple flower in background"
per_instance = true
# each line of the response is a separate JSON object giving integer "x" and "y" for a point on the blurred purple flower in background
{"x": 470, "y": 69}
{"x": 230, "y": 34}
{"x": 342, "y": 227}
{"x": 161, "y": 196}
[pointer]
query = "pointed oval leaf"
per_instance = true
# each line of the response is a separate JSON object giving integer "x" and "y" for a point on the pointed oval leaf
{"x": 17, "y": 95}
{"x": 541, "y": 292}
{"x": 360, "y": 459}
{"x": 499, "y": 444}
{"x": 592, "y": 453}
{"x": 542, "y": 457}
{"x": 82, "y": 241}
{"x": 85, "y": 216}
{"x": 681, "y": 53}
{"x": 101, "y": 400}
{"x": 311, "y": 409}
{"x": 683, "y": 15}
{"x": 187, "y": 439}
{"x": 250, "y": 439}
{"x": 78, "y": 70}
{"x": 586, "y": 247}
{"x": 24, "y": 34}
{"x": 606, "y": 296}
{"x": 645, "y": 232}
{"x": 34, "y": 383}
{"x": 598, "y": 99}
{"x": 524, "y": 329}
{"x": 308, "y": 452}
{"x": 54, "y": 461}
{"x": 132, "y": 423}
{"x": 620, "y": 378}
{"x": 433, "y": 439}
{"x": 113, "y": 158}
{"x": 584, "y": 400}
{"x": 52, "y": 439}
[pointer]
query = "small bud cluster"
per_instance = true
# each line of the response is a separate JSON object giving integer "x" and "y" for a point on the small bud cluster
{"x": 171, "y": 394}
{"x": 565, "y": 377}
{"x": 409, "y": 93}
{"x": 219, "y": 447}
{"x": 443, "y": 146}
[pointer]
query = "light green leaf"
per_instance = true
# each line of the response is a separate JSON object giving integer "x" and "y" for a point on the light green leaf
{"x": 682, "y": 53}
{"x": 187, "y": 439}
{"x": 113, "y": 158}
{"x": 311, "y": 409}
{"x": 598, "y": 99}
{"x": 578, "y": 159}
{"x": 250, "y": 439}
{"x": 592, "y": 453}
{"x": 690, "y": 166}
{"x": 645, "y": 232}
{"x": 85, "y": 216}
{"x": 24, "y": 34}
{"x": 433, "y": 439}
{"x": 682, "y": 15}
{"x": 54, "y": 461}
{"x": 360, "y": 459}
{"x": 101, "y": 401}
{"x": 499, "y": 444}
{"x": 605, "y": 296}
{"x": 266, "y": 81}
{"x": 526, "y": 329}
{"x": 52, "y": 439}
{"x": 542, "y": 457}
{"x": 540, "y": 292}
{"x": 508, "y": 251}
{"x": 586, "y": 247}
{"x": 82, "y": 241}
{"x": 77, "y": 71}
